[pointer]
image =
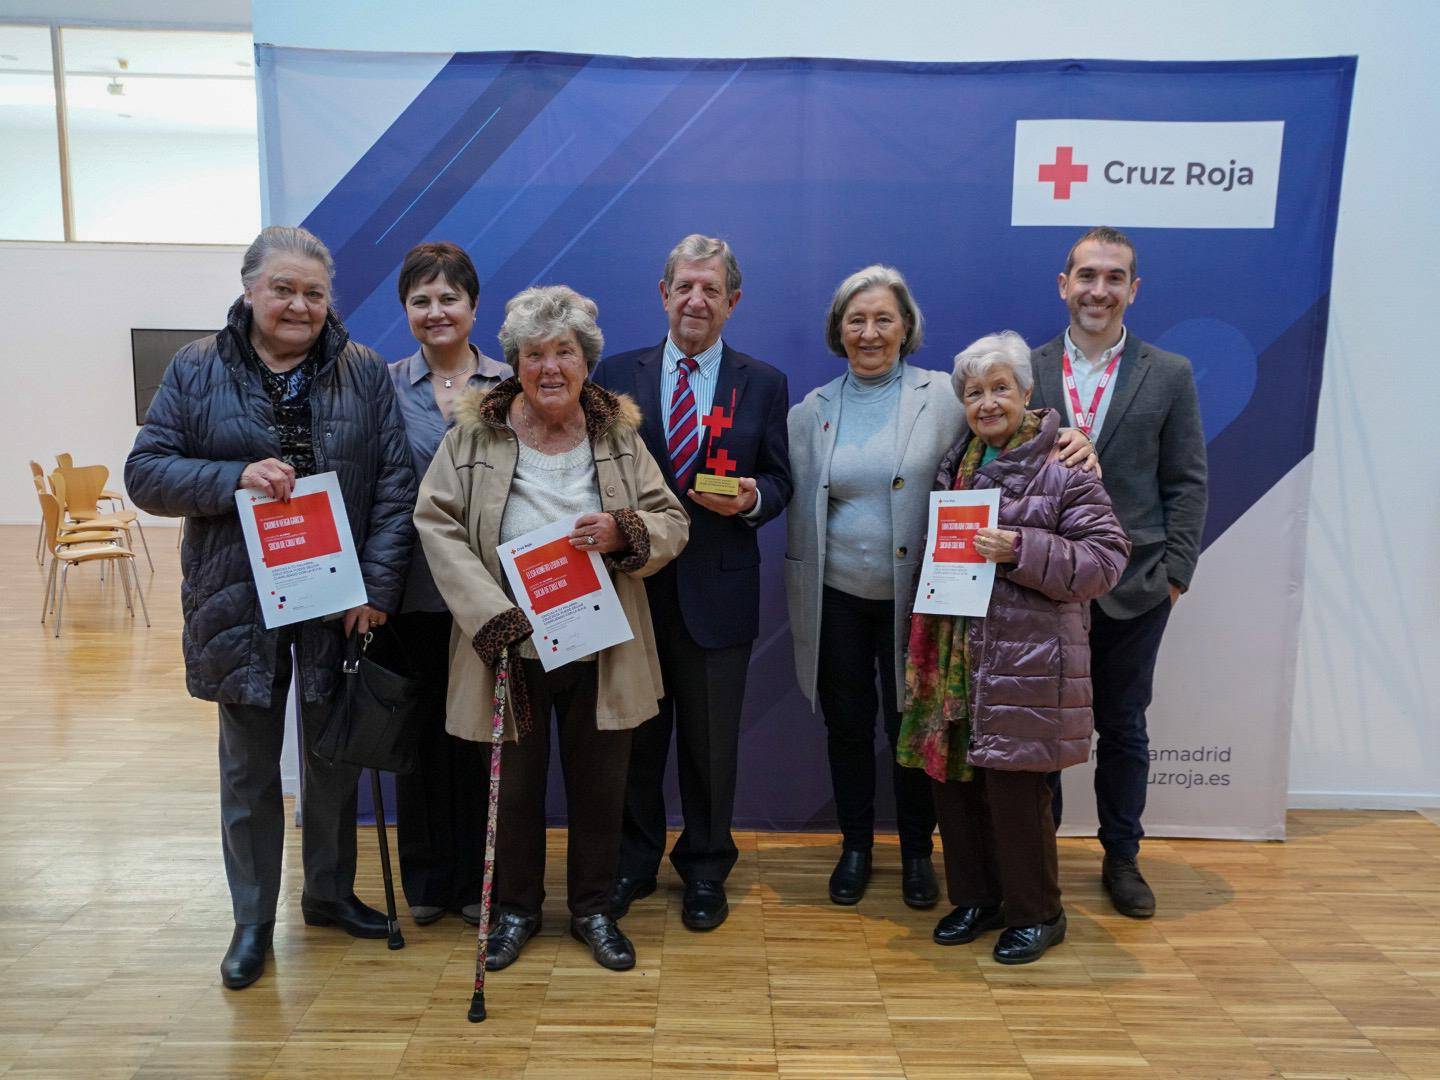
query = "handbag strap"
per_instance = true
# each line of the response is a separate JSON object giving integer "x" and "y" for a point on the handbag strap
{"x": 350, "y": 664}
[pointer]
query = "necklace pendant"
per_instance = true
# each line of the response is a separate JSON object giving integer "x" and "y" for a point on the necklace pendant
{"x": 448, "y": 383}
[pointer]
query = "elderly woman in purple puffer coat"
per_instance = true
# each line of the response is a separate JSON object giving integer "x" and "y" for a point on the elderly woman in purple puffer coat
{"x": 994, "y": 704}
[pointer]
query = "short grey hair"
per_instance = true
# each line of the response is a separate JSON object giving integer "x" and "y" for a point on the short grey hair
{"x": 547, "y": 312}
{"x": 284, "y": 240}
{"x": 698, "y": 248}
{"x": 869, "y": 278}
{"x": 978, "y": 359}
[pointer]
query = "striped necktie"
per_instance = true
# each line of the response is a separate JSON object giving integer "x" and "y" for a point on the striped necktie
{"x": 683, "y": 428}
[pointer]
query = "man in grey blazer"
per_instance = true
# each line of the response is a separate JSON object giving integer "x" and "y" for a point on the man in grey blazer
{"x": 1139, "y": 405}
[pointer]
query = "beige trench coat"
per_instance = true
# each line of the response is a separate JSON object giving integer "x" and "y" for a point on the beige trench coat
{"x": 462, "y": 501}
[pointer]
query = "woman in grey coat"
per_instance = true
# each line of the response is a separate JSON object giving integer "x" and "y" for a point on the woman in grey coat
{"x": 995, "y": 704}
{"x": 280, "y": 393}
{"x": 863, "y": 449}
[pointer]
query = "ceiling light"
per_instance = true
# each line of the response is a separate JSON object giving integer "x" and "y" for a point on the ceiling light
{"x": 115, "y": 88}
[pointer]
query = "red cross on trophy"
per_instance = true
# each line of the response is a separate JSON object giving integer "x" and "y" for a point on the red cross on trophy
{"x": 718, "y": 460}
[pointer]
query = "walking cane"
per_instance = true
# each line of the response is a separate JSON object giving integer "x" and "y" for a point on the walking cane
{"x": 497, "y": 740}
{"x": 397, "y": 940}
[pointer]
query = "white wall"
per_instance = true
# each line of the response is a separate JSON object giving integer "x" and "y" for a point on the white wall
{"x": 66, "y": 311}
{"x": 1367, "y": 726}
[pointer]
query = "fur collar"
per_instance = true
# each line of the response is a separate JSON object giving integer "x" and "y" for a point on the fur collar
{"x": 476, "y": 409}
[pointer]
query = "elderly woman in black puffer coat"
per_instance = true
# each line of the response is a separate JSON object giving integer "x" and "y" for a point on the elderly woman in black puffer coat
{"x": 279, "y": 394}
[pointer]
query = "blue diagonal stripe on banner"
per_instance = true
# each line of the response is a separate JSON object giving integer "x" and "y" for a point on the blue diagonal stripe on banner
{"x": 641, "y": 172}
{"x": 617, "y": 173}
{"x": 457, "y": 160}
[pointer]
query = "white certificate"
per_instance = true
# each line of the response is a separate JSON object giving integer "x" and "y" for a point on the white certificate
{"x": 954, "y": 579}
{"x": 566, "y": 592}
{"x": 301, "y": 553}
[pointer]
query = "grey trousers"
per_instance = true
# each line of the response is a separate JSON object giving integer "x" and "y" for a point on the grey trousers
{"x": 252, "y": 812}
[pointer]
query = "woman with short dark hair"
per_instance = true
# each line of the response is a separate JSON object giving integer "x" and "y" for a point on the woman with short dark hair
{"x": 440, "y": 807}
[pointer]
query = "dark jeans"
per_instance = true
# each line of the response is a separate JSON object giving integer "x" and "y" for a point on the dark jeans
{"x": 857, "y": 637}
{"x": 1122, "y": 675}
{"x": 999, "y": 837}
{"x": 252, "y": 811}
{"x": 593, "y": 764}
{"x": 704, "y": 693}
{"x": 440, "y": 807}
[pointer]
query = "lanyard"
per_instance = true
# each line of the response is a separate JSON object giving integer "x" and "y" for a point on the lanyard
{"x": 1086, "y": 420}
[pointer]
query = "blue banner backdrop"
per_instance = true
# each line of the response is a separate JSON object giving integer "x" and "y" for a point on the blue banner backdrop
{"x": 587, "y": 169}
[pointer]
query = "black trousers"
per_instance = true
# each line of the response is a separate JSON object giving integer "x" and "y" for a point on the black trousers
{"x": 857, "y": 637}
{"x": 1122, "y": 675}
{"x": 440, "y": 807}
{"x": 705, "y": 691}
{"x": 593, "y": 764}
{"x": 252, "y": 812}
{"x": 999, "y": 837}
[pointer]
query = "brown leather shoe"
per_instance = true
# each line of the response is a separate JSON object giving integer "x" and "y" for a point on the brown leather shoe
{"x": 1128, "y": 889}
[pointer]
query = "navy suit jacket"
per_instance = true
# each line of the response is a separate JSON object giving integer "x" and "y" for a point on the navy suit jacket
{"x": 718, "y": 573}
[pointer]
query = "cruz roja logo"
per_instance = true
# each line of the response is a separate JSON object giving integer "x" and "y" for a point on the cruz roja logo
{"x": 1065, "y": 171}
{"x": 1169, "y": 174}
{"x": 1192, "y": 173}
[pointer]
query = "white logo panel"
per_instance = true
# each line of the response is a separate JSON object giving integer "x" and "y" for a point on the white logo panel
{"x": 1140, "y": 173}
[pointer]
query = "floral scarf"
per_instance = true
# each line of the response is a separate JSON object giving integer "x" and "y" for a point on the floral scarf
{"x": 935, "y": 728}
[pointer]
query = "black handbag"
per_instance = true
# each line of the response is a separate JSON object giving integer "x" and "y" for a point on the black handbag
{"x": 374, "y": 714}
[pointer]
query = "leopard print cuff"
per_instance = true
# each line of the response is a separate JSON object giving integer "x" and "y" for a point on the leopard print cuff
{"x": 508, "y": 628}
{"x": 636, "y": 535}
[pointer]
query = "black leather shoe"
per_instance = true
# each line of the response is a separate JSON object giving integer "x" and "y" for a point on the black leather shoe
{"x": 851, "y": 875}
{"x": 625, "y": 891}
{"x": 1129, "y": 891}
{"x": 1026, "y": 944}
{"x": 508, "y": 935}
{"x": 965, "y": 924}
{"x": 610, "y": 948}
{"x": 704, "y": 906}
{"x": 352, "y": 916}
{"x": 917, "y": 882}
{"x": 245, "y": 959}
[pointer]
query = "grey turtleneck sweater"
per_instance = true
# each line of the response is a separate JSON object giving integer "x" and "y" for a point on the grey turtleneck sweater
{"x": 857, "y": 526}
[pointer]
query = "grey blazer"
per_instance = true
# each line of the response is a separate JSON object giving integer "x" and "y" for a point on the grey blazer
{"x": 929, "y": 421}
{"x": 1152, "y": 451}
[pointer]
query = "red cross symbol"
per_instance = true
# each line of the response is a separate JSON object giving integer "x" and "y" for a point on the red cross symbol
{"x": 1062, "y": 172}
{"x": 717, "y": 421}
{"x": 721, "y": 462}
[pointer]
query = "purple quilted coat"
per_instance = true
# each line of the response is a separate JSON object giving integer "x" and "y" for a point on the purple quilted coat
{"x": 1030, "y": 655}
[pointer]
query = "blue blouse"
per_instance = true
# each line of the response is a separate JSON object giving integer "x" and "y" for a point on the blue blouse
{"x": 424, "y": 428}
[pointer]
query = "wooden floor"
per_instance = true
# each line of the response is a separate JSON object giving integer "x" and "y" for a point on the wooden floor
{"x": 1319, "y": 957}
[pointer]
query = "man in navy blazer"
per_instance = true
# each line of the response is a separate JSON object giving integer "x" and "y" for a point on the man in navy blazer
{"x": 706, "y": 604}
{"x": 1139, "y": 405}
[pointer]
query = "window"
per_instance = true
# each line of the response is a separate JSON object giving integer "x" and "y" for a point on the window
{"x": 30, "y": 163}
{"x": 160, "y": 136}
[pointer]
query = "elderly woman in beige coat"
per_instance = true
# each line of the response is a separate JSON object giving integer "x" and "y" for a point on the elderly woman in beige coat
{"x": 543, "y": 446}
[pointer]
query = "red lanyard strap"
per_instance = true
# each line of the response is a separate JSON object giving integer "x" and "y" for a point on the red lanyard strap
{"x": 1086, "y": 420}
